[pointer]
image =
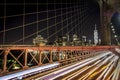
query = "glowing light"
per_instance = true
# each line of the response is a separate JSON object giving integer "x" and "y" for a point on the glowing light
{"x": 113, "y": 31}
{"x": 117, "y": 40}
{"x": 115, "y": 36}
{"x": 112, "y": 27}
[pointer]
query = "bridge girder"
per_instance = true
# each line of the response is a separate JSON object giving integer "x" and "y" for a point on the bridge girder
{"x": 15, "y": 59}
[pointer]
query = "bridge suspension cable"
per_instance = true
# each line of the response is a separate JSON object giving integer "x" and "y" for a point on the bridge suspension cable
{"x": 38, "y": 32}
{"x": 73, "y": 14}
{"x": 71, "y": 30}
{"x": 24, "y": 23}
{"x": 16, "y": 27}
{"x": 4, "y": 22}
{"x": 37, "y": 17}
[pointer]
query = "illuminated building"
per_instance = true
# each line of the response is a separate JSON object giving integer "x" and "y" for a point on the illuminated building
{"x": 76, "y": 41}
{"x": 39, "y": 41}
{"x": 95, "y": 36}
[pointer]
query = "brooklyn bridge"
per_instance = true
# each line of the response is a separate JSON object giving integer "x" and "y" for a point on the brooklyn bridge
{"x": 59, "y": 40}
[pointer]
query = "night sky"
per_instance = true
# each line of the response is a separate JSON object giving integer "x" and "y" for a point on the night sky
{"x": 116, "y": 22}
{"x": 51, "y": 18}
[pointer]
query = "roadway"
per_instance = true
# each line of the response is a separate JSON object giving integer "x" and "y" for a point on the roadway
{"x": 105, "y": 66}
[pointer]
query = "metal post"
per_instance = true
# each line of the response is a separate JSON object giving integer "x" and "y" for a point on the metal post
{"x": 65, "y": 55}
{"x": 59, "y": 56}
{"x": 51, "y": 58}
{"x": 40, "y": 57}
{"x": 5, "y": 61}
{"x": 71, "y": 54}
{"x": 25, "y": 59}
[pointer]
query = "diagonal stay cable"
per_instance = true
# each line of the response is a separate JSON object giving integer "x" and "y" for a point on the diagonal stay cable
{"x": 38, "y": 32}
{"x": 68, "y": 25}
{"x": 29, "y": 13}
{"x": 31, "y": 23}
{"x": 35, "y": 33}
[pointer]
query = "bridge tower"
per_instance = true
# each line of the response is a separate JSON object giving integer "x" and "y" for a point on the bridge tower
{"x": 106, "y": 12}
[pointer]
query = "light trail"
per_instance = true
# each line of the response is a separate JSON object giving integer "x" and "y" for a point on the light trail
{"x": 97, "y": 67}
{"x": 110, "y": 68}
{"x": 81, "y": 71}
{"x": 22, "y": 74}
{"x": 116, "y": 72}
{"x": 66, "y": 70}
{"x": 84, "y": 69}
{"x": 107, "y": 69}
{"x": 105, "y": 66}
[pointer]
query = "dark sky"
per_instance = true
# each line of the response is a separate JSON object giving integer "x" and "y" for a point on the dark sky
{"x": 52, "y": 18}
{"x": 116, "y": 22}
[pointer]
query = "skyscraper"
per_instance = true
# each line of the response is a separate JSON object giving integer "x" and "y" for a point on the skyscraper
{"x": 95, "y": 35}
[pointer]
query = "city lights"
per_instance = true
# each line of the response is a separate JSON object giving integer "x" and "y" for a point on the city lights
{"x": 114, "y": 33}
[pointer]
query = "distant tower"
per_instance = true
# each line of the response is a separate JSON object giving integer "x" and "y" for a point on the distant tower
{"x": 95, "y": 36}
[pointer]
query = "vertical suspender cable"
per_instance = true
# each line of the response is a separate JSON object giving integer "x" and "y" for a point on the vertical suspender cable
{"x": 37, "y": 17}
{"x": 78, "y": 18}
{"x": 75, "y": 18}
{"x": 47, "y": 23}
{"x": 61, "y": 18}
{"x": 78, "y": 27}
{"x": 82, "y": 18}
{"x": 71, "y": 17}
{"x": 24, "y": 22}
{"x": 4, "y": 22}
{"x": 55, "y": 18}
{"x": 67, "y": 16}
